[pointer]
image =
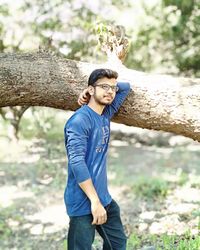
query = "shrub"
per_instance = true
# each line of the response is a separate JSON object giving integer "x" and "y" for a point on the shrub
{"x": 151, "y": 188}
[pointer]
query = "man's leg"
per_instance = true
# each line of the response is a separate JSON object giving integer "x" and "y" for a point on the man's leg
{"x": 112, "y": 231}
{"x": 81, "y": 233}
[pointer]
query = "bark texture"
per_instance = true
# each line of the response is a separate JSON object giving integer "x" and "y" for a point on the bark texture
{"x": 157, "y": 102}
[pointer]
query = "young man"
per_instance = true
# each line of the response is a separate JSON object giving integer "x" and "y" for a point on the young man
{"x": 88, "y": 202}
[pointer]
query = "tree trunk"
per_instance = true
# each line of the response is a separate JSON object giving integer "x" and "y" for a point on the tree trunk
{"x": 157, "y": 102}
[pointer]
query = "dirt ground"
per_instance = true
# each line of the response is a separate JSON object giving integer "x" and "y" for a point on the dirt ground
{"x": 33, "y": 175}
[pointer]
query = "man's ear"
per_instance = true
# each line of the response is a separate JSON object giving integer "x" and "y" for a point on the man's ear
{"x": 91, "y": 90}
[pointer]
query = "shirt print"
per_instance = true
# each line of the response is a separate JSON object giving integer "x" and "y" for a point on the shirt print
{"x": 104, "y": 140}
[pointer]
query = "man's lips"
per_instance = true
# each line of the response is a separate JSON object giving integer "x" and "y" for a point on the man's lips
{"x": 108, "y": 97}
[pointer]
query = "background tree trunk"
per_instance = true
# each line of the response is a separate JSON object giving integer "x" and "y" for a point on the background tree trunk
{"x": 156, "y": 101}
{"x": 14, "y": 117}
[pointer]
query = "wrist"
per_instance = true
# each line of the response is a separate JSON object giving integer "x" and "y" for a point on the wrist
{"x": 94, "y": 200}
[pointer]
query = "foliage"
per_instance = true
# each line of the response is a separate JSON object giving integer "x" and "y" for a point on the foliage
{"x": 65, "y": 27}
{"x": 5, "y": 231}
{"x": 150, "y": 188}
{"x": 133, "y": 241}
{"x": 166, "y": 242}
{"x": 165, "y": 37}
{"x": 168, "y": 40}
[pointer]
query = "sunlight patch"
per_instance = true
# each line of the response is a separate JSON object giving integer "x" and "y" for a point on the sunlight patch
{"x": 54, "y": 217}
{"x": 169, "y": 224}
{"x": 10, "y": 193}
{"x": 118, "y": 143}
{"x": 188, "y": 194}
{"x": 182, "y": 208}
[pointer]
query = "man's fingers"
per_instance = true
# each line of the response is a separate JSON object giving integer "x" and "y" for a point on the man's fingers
{"x": 82, "y": 101}
{"x": 100, "y": 220}
{"x": 83, "y": 98}
{"x": 104, "y": 219}
{"x": 94, "y": 222}
{"x": 97, "y": 222}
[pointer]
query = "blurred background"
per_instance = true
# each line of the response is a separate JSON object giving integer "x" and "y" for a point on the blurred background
{"x": 153, "y": 175}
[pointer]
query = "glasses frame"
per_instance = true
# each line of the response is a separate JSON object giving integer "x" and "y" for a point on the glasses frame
{"x": 107, "y": 87}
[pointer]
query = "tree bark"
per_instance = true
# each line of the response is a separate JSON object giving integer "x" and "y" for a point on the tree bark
{"x": 158, "y": 102}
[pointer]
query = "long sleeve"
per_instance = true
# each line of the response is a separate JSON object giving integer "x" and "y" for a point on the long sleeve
{"x": 124, "y": 89}
{"x": 76, "y": 137}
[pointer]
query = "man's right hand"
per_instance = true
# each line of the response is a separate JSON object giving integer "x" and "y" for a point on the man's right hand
{"x": 99, "y": 213}
{"x": 84, "y": 97}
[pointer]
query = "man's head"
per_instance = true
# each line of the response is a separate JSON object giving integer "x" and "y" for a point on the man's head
{"x": 102, "y": 85}
{"x": 101, "y": 73}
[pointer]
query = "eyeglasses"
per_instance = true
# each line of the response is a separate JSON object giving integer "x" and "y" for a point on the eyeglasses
{"x": 107, "y": 87}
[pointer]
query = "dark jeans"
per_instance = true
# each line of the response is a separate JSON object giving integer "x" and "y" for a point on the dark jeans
{"x": 81, "y": 232}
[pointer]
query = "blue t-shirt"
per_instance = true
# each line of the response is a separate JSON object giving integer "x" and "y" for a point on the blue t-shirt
{"x": 86, "y": 140}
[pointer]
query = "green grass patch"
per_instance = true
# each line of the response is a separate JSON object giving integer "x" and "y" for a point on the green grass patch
{"x": 150, "y": 188}
{"x": 133, "y": 241}
{"x": 164, "y": 242}
{"x": 9, "y": 213}
{"x": 183, "y": 179}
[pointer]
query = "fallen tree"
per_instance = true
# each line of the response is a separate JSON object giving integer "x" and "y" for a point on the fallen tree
{"x": 156, "y": 102}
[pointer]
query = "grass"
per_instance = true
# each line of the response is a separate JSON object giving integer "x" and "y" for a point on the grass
{"x": 150, "y": 188}
{"x": 160, "y": 242}
{"x": 5, "y": 231}
{"x": 141, "y": 169}
{"x": 183, "y": 179}
{"x": 164, "y": 242}
{"x": 133, "y": 241}
{"x": 6, "y": 214}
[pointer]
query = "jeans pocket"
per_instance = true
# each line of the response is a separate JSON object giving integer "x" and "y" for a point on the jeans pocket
{"x": 113, "y": 208}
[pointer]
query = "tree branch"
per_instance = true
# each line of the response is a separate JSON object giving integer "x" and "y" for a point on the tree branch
{"x": 157, "y": 102}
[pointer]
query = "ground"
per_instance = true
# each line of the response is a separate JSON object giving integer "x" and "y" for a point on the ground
{"x": 154, "y": 177}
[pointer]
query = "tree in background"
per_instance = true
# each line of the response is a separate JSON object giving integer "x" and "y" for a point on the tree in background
{"x": 164, "y": 37}
{"x": 167, "y": 40}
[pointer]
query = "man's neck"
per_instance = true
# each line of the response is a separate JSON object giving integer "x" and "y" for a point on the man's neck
{"x": 96, "y": 107}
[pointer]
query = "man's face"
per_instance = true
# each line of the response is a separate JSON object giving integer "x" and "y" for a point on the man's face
{"x": 105, "y": 90}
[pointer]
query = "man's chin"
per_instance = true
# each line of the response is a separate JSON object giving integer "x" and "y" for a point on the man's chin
{"x": 107, "y": 102}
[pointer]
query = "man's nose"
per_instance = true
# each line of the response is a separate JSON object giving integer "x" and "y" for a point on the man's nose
{"x": 110, "y": 90}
